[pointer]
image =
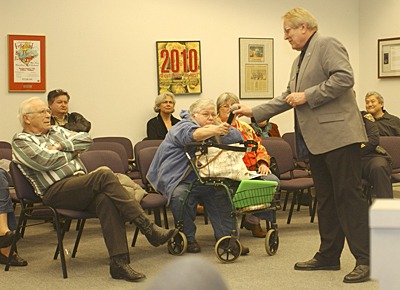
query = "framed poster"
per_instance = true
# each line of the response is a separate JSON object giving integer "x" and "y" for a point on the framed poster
{"x": 26, "y": 63}
{"x": 256, "y": 68}
{"x": 389, "y": 57}
{"x": 179, "y": 67}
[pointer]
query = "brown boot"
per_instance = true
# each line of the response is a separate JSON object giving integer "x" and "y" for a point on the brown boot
{"x": 154, "y": 234}
{"x": 256, "y": 230}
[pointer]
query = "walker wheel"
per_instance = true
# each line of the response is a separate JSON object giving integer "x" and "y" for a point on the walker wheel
{"x": 178, "y": 244}
{"x": 272, "y": 242}
{"x": 224, "y": 252}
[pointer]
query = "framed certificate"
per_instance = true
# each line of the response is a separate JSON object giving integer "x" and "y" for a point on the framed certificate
{"x": 389, "y": 57}
{"x": 26, "y": 63}
{"x": 256, "y": 68}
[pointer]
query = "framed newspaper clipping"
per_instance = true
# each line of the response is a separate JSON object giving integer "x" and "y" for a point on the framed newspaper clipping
{"x": 389, "y": 57}
{"x": 179, "y": 67}
{"x": 26, "y": 63}
{"x": 256, "y": 76}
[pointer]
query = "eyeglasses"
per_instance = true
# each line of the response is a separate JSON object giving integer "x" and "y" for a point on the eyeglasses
{"x": 41, "y": 112}
{"x": 208, "y": 115}
{"x": 287, "y": 30}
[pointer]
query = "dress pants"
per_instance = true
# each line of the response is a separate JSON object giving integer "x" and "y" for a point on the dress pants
{"x": 377, "y": 170}
{"x": 342, "y": 207}
{"x": 99, "y": 192}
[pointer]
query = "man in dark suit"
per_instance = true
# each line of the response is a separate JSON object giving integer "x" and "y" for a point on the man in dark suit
{"x": 329, "y": 130}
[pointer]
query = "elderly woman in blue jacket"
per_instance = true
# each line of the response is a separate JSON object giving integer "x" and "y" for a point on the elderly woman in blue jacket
{"x": 170, "y": 172}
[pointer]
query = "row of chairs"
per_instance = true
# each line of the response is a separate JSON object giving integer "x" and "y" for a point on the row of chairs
{"x": 293, "y": 181}
{"x": 296, "y": 179}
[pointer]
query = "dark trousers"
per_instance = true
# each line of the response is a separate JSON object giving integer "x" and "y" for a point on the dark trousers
{"x": 377, "y": 170}
{"x": 342, "y": 207}
{"x": 98, "y": 192}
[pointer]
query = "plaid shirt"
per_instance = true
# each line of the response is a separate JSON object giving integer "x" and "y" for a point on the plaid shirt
{"x": 44, "y": 167}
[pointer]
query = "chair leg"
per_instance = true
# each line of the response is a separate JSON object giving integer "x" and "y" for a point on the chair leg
{"x": 286, "y": 200}
{"x": 78, "y": 236}
{"x": 299, "y": 200}
{"x": 64, "y": 229}
{"x": 135, "y": 235}
{"x": 157, "y": 217}
{"x": 165, "y": 217}
{"x": 295, "y": 194}
{"x": 205, "y": 216}
{"x": 314, "y": 209}
{"x": 21, "y": 223}
{"x": 60, "y": 245}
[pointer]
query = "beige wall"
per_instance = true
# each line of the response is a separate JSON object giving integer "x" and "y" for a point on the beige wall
{"x": 380, "y": 19}
{"x": 103, "y": 52}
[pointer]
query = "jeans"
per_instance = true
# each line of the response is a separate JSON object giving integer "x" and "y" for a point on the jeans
{"x": 216, "y": 203}
{"x": 6, "y": 205}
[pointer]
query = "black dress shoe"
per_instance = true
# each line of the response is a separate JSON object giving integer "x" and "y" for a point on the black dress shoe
{"x": 314, "y": 264}
{"x": 359, "y": 274}
{"x": 245, "y": 251}
{"x": 16, "y": 260}
{"x": 120, "y": 269}
{"x": 193, "y": 247}
{"x": 7, "y": 239}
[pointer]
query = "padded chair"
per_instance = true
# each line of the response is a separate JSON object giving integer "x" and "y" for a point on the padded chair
{"x": 93, "y": 159}
{"x": 152, "y": 201}
{"x": 124, "y": 141}
{"x": 282, "y": 152}
{"x": 33, "y": 208}
{"x": 121, "y": 151}
{"x": 139, "y": 146}
{"x": 127, "y": 143}
{"x": 5, "y": 144}
{"x": 392, "y": 145}
{"x": 301, "y": 167}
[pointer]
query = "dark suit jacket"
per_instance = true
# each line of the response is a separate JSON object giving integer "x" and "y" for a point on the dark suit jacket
{"x": 330, "y": 118}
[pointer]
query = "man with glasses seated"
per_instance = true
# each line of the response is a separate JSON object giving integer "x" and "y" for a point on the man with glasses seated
{"x": 58, "y": 101}
{"x": 48, "y": 156}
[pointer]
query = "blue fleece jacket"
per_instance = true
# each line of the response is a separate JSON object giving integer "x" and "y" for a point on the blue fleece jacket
{"x": 170, "y": 165}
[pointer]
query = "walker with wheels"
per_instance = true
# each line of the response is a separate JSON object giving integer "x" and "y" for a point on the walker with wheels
{"x": 246, "y": 197}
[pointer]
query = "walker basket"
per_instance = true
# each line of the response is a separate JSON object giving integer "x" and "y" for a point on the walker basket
{"x": 253, "y": 195}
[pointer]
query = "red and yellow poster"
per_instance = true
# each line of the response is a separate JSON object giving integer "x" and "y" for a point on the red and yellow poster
{"x": 178, "y": 66}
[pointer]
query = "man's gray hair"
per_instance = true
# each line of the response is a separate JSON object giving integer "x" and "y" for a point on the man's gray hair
{"x": 24, "y": 108}
{"x": 298, "y": 16}
{"x": 376, "y": 94}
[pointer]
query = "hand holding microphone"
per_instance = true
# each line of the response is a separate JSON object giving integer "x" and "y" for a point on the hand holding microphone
{"x": 232, "y": 115}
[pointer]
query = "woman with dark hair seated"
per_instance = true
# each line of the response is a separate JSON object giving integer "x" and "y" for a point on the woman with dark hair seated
{"x": 8, "y": 223}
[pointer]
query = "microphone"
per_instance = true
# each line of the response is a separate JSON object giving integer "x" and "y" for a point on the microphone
{"x": 232, "y": 115}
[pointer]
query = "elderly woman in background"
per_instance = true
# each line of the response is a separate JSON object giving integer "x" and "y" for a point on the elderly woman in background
{"x": 197, "y": 124}
{"x": 8, "y": 224}
{"x": 255, "y": 161}
{"x": 158, "y": 126}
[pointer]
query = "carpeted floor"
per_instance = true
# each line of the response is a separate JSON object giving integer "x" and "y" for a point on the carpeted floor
{"x": 258, "y": 270}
